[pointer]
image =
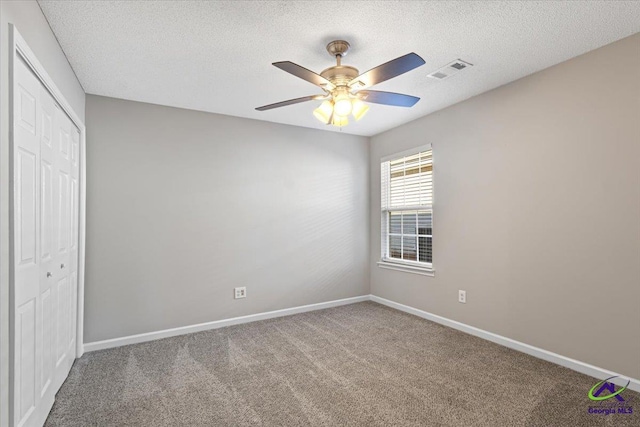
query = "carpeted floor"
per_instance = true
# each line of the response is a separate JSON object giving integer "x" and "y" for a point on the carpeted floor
{"x": 357, "y": 365}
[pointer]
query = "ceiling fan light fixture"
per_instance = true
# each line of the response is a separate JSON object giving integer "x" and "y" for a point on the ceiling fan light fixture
{"x": 339, "y": 121}
{"x": 323, "y": 112}
{"x": 359, "y": 109}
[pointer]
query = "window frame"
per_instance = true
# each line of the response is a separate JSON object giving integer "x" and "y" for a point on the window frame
{"x": 417, "y": 267}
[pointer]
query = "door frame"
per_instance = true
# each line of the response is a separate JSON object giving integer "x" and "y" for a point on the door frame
{"x": 18, "y": 48}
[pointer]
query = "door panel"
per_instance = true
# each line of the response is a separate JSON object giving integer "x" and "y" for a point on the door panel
{"x": 26, "y": 108}
{"x": 61, "y": 347}
{"x": 63, "y": 213}
{"x": 66, "y": 308}
{"x": 46, "y": 209}
{"x": 74, "y": 214}
{"x": 65, "y": 141}
{"x": 25, "y": 342}
{"x": 48, "y": 247}
{"x": 48, "y": 334}
{"x": 73, "y": 298}
{"x": 26, "y": 231}
{"x": 26, "y": 223}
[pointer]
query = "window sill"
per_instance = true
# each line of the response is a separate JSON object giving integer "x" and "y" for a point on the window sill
{"x": 415, "y": 269}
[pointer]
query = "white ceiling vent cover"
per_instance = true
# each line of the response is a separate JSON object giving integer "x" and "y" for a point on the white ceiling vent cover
{"x": 450, "y": 69}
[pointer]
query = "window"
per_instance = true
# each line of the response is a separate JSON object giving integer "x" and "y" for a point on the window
{"x": 407, "y": 215}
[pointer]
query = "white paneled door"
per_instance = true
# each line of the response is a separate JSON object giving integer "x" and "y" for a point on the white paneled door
{"x": 45, "y": 230}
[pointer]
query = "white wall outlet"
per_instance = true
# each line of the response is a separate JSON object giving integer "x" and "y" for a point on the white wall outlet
{"x": 240, "y": 292}
{"x": 462, "y": 297}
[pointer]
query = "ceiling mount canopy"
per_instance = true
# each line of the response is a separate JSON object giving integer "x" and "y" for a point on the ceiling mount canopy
{"x": 343, "y": 86}
{"x": 338, "y": 48}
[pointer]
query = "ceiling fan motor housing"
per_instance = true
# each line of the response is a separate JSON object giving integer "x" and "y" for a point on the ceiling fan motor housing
{"x": 340, "y": 75}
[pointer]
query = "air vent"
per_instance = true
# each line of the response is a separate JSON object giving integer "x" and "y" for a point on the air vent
{"x": 450, "y": 69}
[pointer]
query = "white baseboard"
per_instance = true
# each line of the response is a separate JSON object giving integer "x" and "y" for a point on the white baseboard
{"x": 150, "y": 336}
{"x": 576, "y": 365}
{"x": 549, "y": 356}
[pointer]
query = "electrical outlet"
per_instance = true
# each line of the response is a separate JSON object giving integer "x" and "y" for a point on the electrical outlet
{"x": 462, "y": 297}
{"x": 240, "y": 292}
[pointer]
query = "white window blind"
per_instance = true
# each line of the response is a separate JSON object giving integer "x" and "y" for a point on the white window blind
{"x": 407, "y": 215}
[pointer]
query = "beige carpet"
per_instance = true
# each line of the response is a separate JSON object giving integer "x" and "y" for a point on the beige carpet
{"x": 357, "y": 365}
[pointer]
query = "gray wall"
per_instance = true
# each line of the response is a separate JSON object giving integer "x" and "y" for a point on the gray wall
{"x": 183, "y": 206}
{"x": 537, "y": 209}
{"x": 29, "y": 20}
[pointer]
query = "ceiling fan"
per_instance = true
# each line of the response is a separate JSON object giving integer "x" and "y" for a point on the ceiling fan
{"x": 343, "y": 86}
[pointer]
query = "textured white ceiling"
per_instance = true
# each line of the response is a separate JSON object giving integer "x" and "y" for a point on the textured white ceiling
{"x": 216, "y": 56}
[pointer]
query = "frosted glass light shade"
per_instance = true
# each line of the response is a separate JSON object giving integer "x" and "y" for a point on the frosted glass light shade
{"x": 323, "y": 112}
{"x": 359, "y": 109}
{"x": 339, "y": 121}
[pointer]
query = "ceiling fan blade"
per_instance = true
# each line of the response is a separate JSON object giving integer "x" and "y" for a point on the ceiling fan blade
{"x": 290, "y": 102}
{"x": 387, "y": 71}
{"x": 304, "y": 74}
{"x": 388, "y": 98}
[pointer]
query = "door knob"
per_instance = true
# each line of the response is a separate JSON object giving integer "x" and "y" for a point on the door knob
{"x": 61, "y": 265}
{"x": 49, "y": 274}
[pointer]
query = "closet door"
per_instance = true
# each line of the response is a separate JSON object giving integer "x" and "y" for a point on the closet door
{"x": 48, "y": 243}
{"x": 74, "y": 235}
{"x": 26, "y": 211}
{"x": 65, "y": 306}
{"x": 45, "y": 247}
